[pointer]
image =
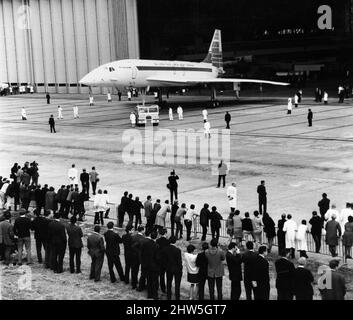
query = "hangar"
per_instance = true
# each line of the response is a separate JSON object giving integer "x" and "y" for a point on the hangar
{"x": 53, "y": 43}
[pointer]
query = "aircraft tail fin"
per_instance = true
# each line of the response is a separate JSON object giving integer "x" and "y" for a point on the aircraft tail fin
{"x": 214, "y": 55}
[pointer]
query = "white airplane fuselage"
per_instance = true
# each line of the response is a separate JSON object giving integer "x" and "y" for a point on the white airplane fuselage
{"x": 135, "y": 72}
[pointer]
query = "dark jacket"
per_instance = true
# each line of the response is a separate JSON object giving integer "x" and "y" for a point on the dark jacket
{"x": 215, "y": 218}
{"x": 324, "y": 205}
{"x": 173, "y": 212}
{"x": 112, "y": 240}
{"x": 95, "y": 245}
{"x": 56, "y": 233}
{"x": 40, "y": 227}
{"x": 75, "y": 236}
{"x": 247, "y": 224}
{"x": 269, "y": 226}
{"x": 127, "y": 241}
{"x": 284, "y": 270}
{"x": 173, "y": 181}
{"x": 261, "y": 190}
{"x": 150, "y": 255}
{"x": 249, "y": 260}
{"x": 204, "y": 217}
{"x": 136, "y": 243}
{"x": 22, "y": 227}
{"x": 84, "y": 177}
{"x": 7, "y": 233}
{"x": 227, "y": 117}
{"x": 234, "y": 266}
{"x": 316, "y": 225}
{"x": 173, "y": 260}
{"x": 202, "y": 263}
{"x": 51, "y": 121}
{"x": 333, "y": 232}
{"x": 302, "y": 280}
{"x": 261, "y": 271}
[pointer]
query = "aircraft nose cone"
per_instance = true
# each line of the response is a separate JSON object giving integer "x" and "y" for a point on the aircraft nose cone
{"x": 87, "y": 80}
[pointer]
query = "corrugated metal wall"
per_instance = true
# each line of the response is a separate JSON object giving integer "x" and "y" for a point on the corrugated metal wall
{"x": 54, "y": 43}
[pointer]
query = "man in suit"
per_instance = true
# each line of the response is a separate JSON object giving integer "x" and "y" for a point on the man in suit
{"x": 95, "y": 245}
{"x": 174, "y": 210}
{"x": 122, "y": 209}
{"x": 261, "y": 190}
{"x": 150, "y": 263}
{"x": 333, "y": 233}
{"x": 136, "y": 243}
{"x": 310, "y": 118}
{"x": 302, "y": 281}
{"x": 84, "y": 178}
{"x": 173, "y": 185}
{"x": 148, "y": 213}
{"x": 8, "y": 237}
{"x": 40, "y": 227}
{"x": 334, "y": 283}
{"x": 174, "y": 266}
{"x": 52, "y": 124}
{"x": 324, "y": 205}
{"x": 249, "y": 260}
{"x": 75, "y": 244}
{"x": 112, "y": 251}
{"x": 127, "y": 241}
{"x": 202, "y": 264}
{"x": 22, "y": 229}
{"x": 57, "y": 242}
{"x": 233, "y": 259}
{"x": 284, "y": 280}
{"x": 215, "y": 257}
{"x": 162, "y": 242}
{"x": 204, "y": 220}
{"x": 316, "y": 230}
{"x": 261, "y": 280}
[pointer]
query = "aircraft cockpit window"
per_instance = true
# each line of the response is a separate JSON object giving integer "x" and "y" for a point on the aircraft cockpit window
{"x": 111, "y": 69}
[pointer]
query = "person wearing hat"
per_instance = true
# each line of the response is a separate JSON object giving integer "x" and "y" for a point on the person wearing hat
{"x": 333, "y": 282}
{"x": 302, "y": 281}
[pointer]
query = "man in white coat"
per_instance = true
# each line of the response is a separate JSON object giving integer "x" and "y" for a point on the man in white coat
{"x": 345, "y": 213}
{"x": 60, "y": 113}
{"x": 325, "y": 97}
{"x": 332, "y": 211}
{"x": 289, "y": 106}
{"x": 232, "y": 196}
{"x": 73, "y": 175}
{"x": 171, "y": 114}
{"x": 296, "y": 101}
{"x": 75, "y": 109}
{"x": 24, "y": 114}
{"x": 204, "y": 114}
{"x": 290, "y": 228}
{"x": 91, "y": 100}
{"x": 180, "y": 112}
{"x": 109, "y": 97}
{"x": 132, "y": 119}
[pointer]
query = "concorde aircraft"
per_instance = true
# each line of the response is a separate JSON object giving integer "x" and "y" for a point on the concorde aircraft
{"x": 143, "y": 74}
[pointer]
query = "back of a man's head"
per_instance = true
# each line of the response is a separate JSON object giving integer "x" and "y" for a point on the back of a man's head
{"x": 214, "y": 242}
{"x": 97, "y": 229}
{"x": 262, "y": 249}
{"x": 153, "y": 235}
{"x": 110, "y": 225}
{"x": 140, "y": 228}
{"x": 250, "y": 245}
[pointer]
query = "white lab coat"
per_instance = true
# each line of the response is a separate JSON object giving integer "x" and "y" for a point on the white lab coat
{"x": 330, "y": 212}
{"x": 171, "y": 114}
{"x": 129, "y": 95}
{"x": 73, "y": 176}
{"x": 99, "y": 203}
{"x": 90, "y": 100}
{"x": 75, "y": 108}
{"x": 301, "y": 238}
{"x": 204, "y": 114}
{"x": 296, "y": 99}
{"x": 109, "y": 97}
{"x": 345, "y": 213}
{"x": 290, "y": 228}
{"x": 289, "y": 106}
{"x": 232, "y": 196}
{"x": 325, "y": 96}
{"x": 60, "y": 113}
{"x": 133, "y": 118}
{"x": 23, "y": 113}
{"x": 180, "y": 112}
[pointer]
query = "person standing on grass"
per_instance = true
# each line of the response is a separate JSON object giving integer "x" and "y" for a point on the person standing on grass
{"x": 222, "y": 172}
{"x": 75, "y": 235}
{"x": 310, "y": 118}
{"x": 96, "y": 249}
